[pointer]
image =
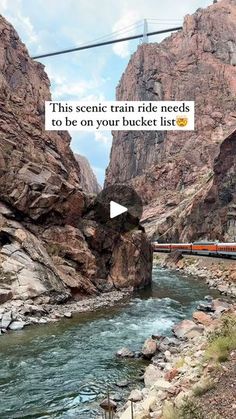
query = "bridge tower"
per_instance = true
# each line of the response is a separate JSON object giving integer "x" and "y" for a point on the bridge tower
{"x": 145, "y": 32}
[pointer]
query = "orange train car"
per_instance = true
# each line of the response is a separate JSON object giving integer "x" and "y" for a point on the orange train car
{"x": 198, "y": 248}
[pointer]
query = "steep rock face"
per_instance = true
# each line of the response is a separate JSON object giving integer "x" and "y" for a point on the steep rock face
{"x": 88, "y": 179}
{"x": 213, "y": 211}
{"x": 45, "y": 245}
{"x": 168, "y": 169}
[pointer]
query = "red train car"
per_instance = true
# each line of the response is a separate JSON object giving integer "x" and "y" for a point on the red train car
{"x": 198, "y": 248}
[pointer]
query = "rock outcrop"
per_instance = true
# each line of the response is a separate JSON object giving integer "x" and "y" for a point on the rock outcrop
{"x": 88, "y": 179}
{"x": 178, "y": 174}
{"x": 213, "y": 211}
{"x": 47, "y": 244}
{"x": 183, "y": 377}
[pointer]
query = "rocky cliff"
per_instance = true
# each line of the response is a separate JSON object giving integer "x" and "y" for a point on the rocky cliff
{"x": 173, "y": 171}
{"x": 88, "y": 179}
{"x": 47, "y": 244}
{"x": 213, "y": 211}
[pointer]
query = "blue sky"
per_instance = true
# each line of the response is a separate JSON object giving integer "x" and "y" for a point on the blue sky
{"x": 50, "y": 25}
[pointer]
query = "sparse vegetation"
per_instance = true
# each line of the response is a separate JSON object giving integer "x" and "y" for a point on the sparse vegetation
{"x": 190, "y": 409}
{"x": 170, "y": 411}
{"x": 6, "y": 277}
{"x": 223, "y": 340}
{"x": 203, "y": 387}
{"x": 190, "y": 261}
{"x": 180, "y": 363}
{"x": 54, "y": 249}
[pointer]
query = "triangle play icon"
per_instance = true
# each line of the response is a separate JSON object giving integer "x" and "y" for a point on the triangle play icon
{"x": 116, "y": 209}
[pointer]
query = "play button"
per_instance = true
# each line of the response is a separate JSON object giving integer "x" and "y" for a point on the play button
{"x": 116, "y": 209}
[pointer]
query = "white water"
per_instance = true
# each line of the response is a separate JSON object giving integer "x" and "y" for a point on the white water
{"x": 62, "y": 370}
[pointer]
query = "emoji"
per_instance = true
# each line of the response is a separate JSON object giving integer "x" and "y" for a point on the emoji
{"x": 181, "y": 121}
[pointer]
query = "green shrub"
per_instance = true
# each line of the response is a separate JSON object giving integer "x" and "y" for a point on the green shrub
{"x": 219, "y": 349}
{"x": 55, "y": 249}
{"x": 203, "y": 387}
{"x": 190, "y": 410}
{"x": 179, "y": 363}
{"x": 226, "y": 328}
{"x": 223, "y": 340}
{"x": 170, "y": 411}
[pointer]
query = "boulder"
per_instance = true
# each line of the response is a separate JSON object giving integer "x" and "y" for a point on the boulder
{"x": 170, "y": 375}
{"x": 42, "y": 321}
{"x": 143, "y": 415}
{"x": 135, "y": 395}
{"x": 162, "y": 384}
{"x": 202, "y": 318}
{"x": 17, "y": 325}
{"x": 194, "y": 333}
{"x": 122, "y": 383}
{"x": 68, "y": 314}
{"x": 125, "y": 353}
{"x": 208, "y": 298}
{"x": 220, "y": 306}
{"x": 6, "y": 320}
{"x": 116, "y": 397}
{"x": 223, "y": 288}
{"x": 149, "y": 401}
{"x": 151, "y": 375}
{"x": 5, "y": 295}
{"x": 149, "y": 348}
{"x": 205, "y": 307}
{"x": 184, "y": 328}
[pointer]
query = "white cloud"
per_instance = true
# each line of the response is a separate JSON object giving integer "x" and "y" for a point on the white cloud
{"x": 68, "y": 87}
{"x": 127, "y": 20}
{"x": 28, "y": 28}
{"x": 103, "y": 137}
{"x": 3, "y": 5}
{"x": 20, "y": 21}
{"x": 73, "y": 88}
{"x": 76, "y": 90}
{"x": 99, "y": 97}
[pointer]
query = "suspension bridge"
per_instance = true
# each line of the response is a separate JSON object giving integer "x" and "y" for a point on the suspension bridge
{"x": 129, "y": 31}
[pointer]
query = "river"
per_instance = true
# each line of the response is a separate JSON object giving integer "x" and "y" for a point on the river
{"x": 61, "y": 370}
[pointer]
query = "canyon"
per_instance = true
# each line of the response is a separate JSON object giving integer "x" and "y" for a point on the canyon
{"x": 50, "y": 247}
{"x": 61, "y": 267}
{"x": 186, "y": 179}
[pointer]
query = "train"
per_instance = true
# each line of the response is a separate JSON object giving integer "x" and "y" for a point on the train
{"x": 199, "y": 248}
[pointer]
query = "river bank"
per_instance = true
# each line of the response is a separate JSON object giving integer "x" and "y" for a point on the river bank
{"x": 63, "y": 368}
{"x": 219, "y": 273}
{"x": 17, "y": 314}
{"x": 187, "y": 378}
{"x": 188, "y": 365}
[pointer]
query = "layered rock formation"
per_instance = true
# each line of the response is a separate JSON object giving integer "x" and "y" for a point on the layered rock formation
{"x": 88, "y": 179}
{"x": 46, "y": 246}
{"x": 174, "y": 172}
{"x": 213, "y": 211}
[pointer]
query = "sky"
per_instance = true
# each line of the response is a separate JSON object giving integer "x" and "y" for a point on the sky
{"x": 50, "y": 25}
